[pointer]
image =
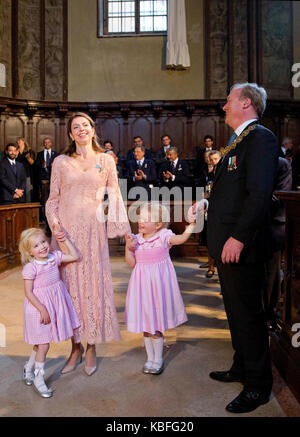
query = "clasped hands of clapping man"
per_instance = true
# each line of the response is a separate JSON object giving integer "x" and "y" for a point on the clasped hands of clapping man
{"x": 139, "y": 175}
{"x": 167, "y": 175}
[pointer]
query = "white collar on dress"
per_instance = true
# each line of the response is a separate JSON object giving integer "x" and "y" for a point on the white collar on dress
{"x": 50, "y": 257}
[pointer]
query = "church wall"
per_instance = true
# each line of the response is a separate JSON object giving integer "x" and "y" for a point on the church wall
{"x": 297, "y": 42}
{"x": 130, "y": 68}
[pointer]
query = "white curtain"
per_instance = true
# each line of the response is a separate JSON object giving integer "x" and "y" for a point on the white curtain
{"x": 2, "y": 75}
{"x": 177, "y": 48}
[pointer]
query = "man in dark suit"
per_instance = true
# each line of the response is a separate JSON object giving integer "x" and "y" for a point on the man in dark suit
{"x": 174, "y": 172}
{"x": 239, "y": 241}
{"x": 161, "y": 154}
{"x": 12, "y": 177}
{"x": 138, "y": 141}
{"x": 208, "y": 142}
{"x": 44, "y": 163}
{"x": 141, "y": 172}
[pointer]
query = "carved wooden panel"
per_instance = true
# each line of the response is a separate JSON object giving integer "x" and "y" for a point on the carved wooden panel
{"x": 5, "y": 45}
{"x": 46, "y": 128}
{"x": 142, "y": 126}
{"x": 36, "y": 120}
{"x": 54, "y": 56}
{"x": 29, "y": 49}
{"x": 216, "y": 18}
{"x": 111, "y": 130}
{"x": 205, "y": 126}
{"x": 276, "y": 48}
{"x": 13, "y": 128}
{"x": 174, "y": 126}
{"x": 238, "y": 46}
{"x": 13, "y": 220}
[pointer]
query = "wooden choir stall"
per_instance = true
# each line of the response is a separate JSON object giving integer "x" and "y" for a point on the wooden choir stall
{"x": 13, "y": 220}
{"x": 285, "y": 341}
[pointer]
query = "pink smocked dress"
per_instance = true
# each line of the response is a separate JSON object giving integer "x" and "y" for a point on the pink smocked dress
{"x": 51, "y": 292}
{"x": 153, "y": 301}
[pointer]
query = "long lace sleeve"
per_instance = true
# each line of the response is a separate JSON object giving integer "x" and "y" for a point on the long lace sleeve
{"x": 117, "y": 220}
{"x": 53, "y": 200}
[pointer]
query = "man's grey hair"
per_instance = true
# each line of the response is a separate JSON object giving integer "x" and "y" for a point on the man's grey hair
{"x": 140, "y": 147}
{"x": 255, "y": 93}
{"x": 173, "y": 148}
{"x": 215, "y": 152}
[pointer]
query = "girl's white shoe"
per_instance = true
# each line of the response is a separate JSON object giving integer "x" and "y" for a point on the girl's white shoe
{"x": 39, "y": 384}
{"x": 28, "y": 375}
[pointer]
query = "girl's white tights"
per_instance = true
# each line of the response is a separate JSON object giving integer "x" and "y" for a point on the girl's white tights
{"x": 158, "y": 345}
{"x": 31, "y": 361}
{"x": 150, "y": 351}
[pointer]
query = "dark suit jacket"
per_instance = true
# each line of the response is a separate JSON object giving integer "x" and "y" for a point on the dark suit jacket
{"x": 130, "y": 155}
{"x": 148, "y": 168}
{"x": 160, "y": 156}
{"x": 240, "y": 201}
{"x": 181, "y": 174}
{"x": 296, "y": 170}
{"x": 283, "y": 182}
{"x": 9, "y": 181}
{"x": 44, "y": 174}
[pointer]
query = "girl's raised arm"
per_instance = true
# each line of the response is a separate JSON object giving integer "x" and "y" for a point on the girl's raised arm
{"x": 67, "y": 246}
{"x": 176, "y": 240}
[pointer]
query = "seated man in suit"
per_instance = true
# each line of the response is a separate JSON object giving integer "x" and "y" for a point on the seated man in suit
{"x": 44, "y": 163}
{"x": 174, "y": 172}
{"x": 138, "y": 141}
{"x": 161, "y": 154}
{"x": 141, "y": 171}
{"x": 200, "y": 152}
{"x": 12, "y": 177}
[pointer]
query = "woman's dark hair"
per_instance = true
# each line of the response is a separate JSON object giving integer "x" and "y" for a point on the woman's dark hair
{"x": 71, "y": 150}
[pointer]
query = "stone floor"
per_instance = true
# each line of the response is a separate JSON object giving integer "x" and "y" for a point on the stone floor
{"x": 119, "y": 388}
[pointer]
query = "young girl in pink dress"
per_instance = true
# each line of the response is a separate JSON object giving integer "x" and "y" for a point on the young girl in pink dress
{"x": 153, "y": 302}
{"x": 49, "y": 315}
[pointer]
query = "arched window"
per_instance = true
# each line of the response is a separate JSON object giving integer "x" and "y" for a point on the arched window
{"x": 133, "y": 17}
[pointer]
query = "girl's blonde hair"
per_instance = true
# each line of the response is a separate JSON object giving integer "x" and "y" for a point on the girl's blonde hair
{"x": 25, "y": 243}
{"x": 158, "y": 212}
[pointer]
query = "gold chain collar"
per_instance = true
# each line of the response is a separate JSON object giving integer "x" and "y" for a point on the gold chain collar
{"x": 238, "y": 139}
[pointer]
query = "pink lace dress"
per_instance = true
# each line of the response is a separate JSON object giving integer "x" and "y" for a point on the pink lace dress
{"x": 153, "y": 301}
{"x": 76, "y": 201}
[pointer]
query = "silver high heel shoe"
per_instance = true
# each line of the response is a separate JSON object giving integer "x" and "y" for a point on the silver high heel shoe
{"x": 70, "y": 368}
{"x": 28, "y": 375}
{"x": 90, "y": 370}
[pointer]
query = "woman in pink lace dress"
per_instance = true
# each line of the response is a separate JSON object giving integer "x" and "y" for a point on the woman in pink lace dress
{"x": 79, "y": 181}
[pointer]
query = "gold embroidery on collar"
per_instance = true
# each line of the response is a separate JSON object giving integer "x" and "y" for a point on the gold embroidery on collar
{"x": 238, "y": 139}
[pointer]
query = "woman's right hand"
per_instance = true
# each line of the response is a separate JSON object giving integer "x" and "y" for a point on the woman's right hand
{"x": 45, "y": 318}
{"x": 58, "y": 233}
